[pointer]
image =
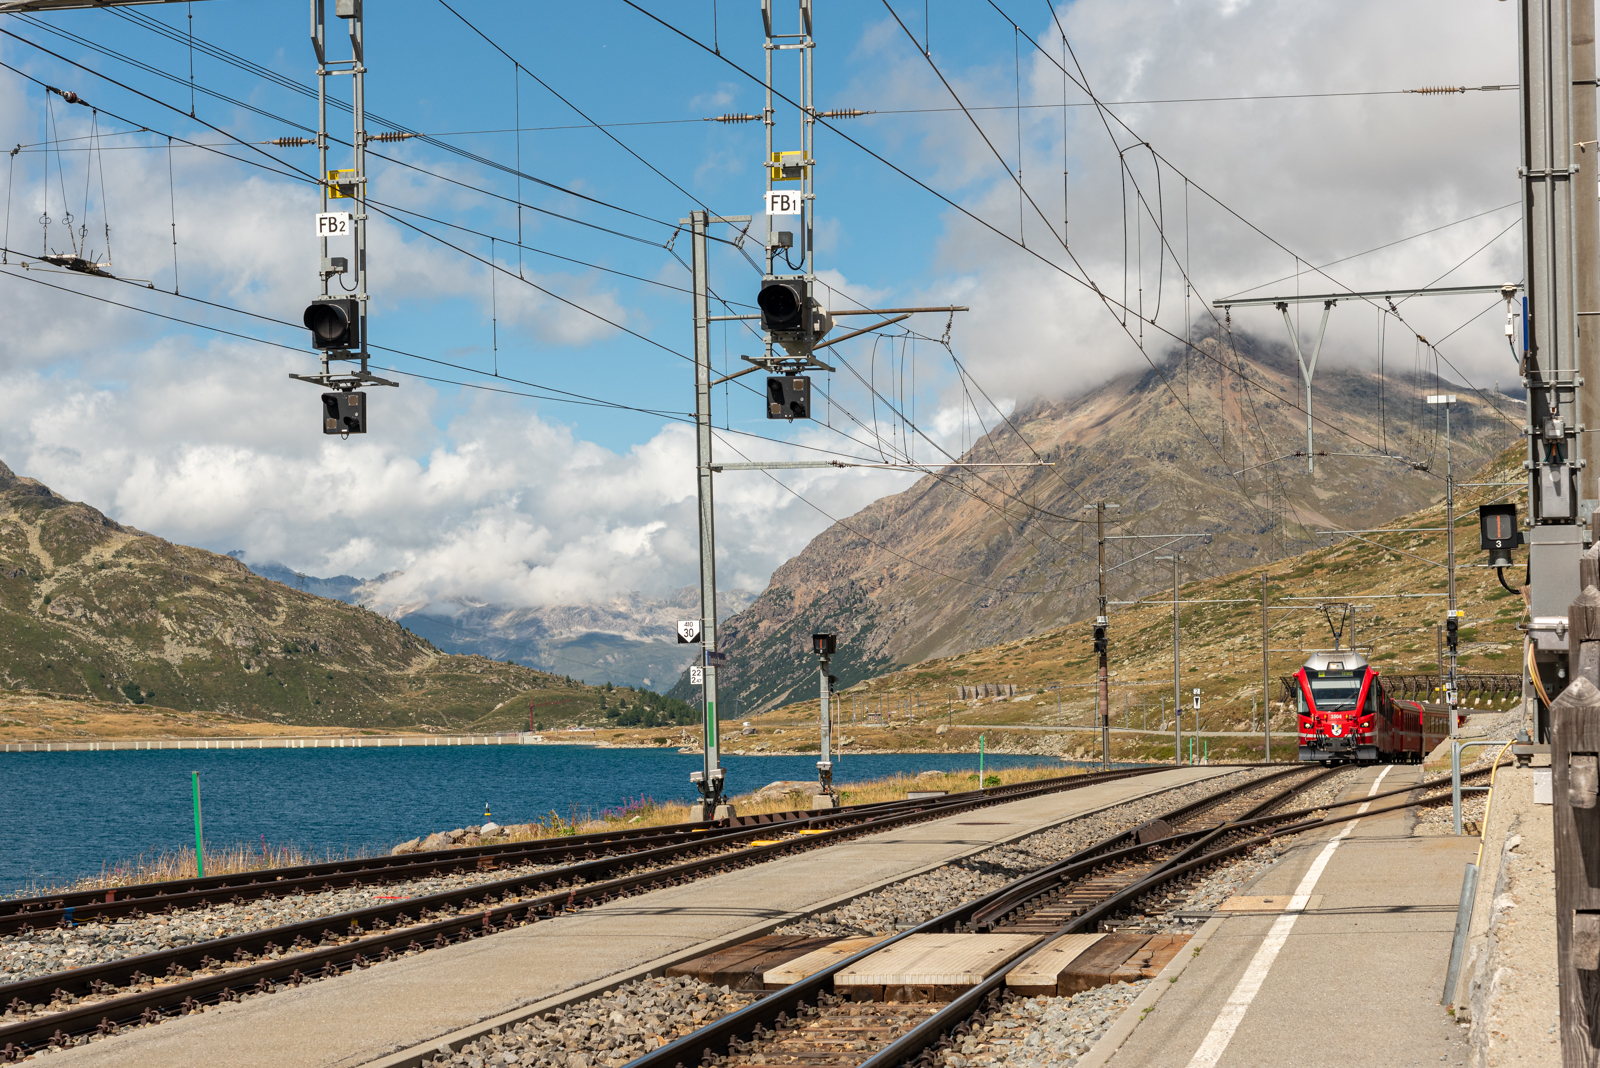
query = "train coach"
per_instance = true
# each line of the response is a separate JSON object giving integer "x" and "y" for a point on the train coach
{"x": 1346, "y": 714}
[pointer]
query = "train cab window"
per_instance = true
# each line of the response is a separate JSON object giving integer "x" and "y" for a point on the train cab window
{"x": 1372, "y": 698}
{"x": 1300, "y": 701}
{"x": 1336, "y": 691}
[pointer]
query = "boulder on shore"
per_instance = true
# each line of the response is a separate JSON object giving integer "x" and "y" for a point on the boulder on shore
{"x": 413, "y": 846}
{"x": 489, "y": 830}
{"x": 436, "y": 840}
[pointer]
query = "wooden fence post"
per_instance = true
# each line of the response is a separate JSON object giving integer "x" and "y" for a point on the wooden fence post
{"x": 1575, "y": 782}
{"x": 1583, "y": 636}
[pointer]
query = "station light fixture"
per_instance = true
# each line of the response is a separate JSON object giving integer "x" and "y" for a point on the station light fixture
{"x": 1498, "y": 533}
{"x": 334, "y": 322}
{"x": 344, "y": 413}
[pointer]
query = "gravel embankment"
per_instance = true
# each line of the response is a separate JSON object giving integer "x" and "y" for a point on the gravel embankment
{"x": 605, "y": 1031}
{"x": 1044, "y": 1032}
{"x": 57, "y": 949}
{"x": 921, "y": 898}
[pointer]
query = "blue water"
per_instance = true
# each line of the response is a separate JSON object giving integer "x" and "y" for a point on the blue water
{"x": 64, "y": 815}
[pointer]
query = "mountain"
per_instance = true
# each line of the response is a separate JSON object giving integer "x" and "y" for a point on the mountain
{"x": 968, "y": 558}
{"x": 92, "y": 608}
{"x": 617, "y": 641}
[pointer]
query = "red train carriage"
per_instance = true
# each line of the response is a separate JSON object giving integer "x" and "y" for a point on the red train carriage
{"x": 1345, "y": 713}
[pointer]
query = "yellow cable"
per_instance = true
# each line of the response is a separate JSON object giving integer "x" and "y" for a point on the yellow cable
{"x": 1488, "y": 804}
{"x": 1533, "y": 675}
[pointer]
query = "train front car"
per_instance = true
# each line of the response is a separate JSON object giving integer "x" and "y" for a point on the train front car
{"x": 1339, "y": 700}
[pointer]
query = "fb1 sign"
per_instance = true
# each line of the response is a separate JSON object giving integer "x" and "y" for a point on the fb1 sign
{"x": 783, "y": 202}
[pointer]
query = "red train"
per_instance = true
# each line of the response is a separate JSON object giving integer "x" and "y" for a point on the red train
{"x": 1346, "y": 714}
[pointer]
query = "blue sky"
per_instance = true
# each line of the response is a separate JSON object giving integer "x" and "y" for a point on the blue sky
{"x": 476, "y": 495}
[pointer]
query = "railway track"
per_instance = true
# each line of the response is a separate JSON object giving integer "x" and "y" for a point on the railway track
{"x": 809, "y": 1024}
{"x": 150, "y": 987}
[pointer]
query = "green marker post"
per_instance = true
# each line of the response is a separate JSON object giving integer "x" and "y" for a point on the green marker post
{"x": 980, "y": 761}
{"x": 199, "y": 848}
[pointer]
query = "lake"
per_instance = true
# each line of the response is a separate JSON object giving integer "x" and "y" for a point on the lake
{"x": 64, "y": 815}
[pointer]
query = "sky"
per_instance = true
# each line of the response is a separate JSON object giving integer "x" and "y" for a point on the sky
{"x": 536, "y": 451}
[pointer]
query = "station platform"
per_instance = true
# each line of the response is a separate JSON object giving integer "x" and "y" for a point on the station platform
{"x": 368, "y": 1016}
{"x": 1354, "y": 979}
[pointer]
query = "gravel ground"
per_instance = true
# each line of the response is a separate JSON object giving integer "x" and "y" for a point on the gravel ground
{"x": 605, "y": 1031}
{"x": 57, "y": 949}
{"x": 1044, "y": 1032}
{"x": 934, "y": 893}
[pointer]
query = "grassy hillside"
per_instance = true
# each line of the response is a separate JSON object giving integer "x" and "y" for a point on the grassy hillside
{"x": 1396, "y": 580}
{"x": 96, "y": 611}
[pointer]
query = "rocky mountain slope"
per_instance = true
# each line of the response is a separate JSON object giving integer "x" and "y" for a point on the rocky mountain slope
{"x": 970, "y": 558}
{"x": 91, "y": 608}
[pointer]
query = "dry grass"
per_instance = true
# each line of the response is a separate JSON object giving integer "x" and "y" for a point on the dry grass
{"x": 178, "y": 864}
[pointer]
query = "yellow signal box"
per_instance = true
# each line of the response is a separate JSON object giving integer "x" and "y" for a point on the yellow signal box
{"x": 789, "y": 167}
{"x": 339, "y": 185}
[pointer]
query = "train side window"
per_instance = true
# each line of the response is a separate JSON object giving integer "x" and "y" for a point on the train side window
{"x": 1372, "y": 696}
{"x": 1300, "y": 699}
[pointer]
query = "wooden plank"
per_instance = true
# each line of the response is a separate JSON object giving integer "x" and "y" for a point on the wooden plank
{"x": 744, "y": 964}
{"x": 955, "y": 960}
{"x": 1104, "y": 962}
{"x": 809, "y": 964}
{"x": 1575, "y": 816}
{"x": 1158, "y": 953}
{"x": 1041, "y": 973}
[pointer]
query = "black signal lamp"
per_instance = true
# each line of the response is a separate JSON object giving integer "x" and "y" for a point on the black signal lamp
{"x": 789, "y": 397}
{"x": 344, "y": 413}
{"x": 824, "y": 644}
{"x": 1452, "y": 628}
{"x": 833, "y": 683}
{"x": 785, "y": 305}
{"x": 1101, "y": 641}
{"x": 1498, "y": 533}
{"x": 334, "y": 322}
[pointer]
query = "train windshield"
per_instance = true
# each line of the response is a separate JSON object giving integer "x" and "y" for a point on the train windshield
{"x": 1336, "y": 691}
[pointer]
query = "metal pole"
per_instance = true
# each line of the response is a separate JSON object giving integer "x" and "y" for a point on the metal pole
{"x": 825, "y": 765}
{"x": 1307, "y": 370}
{"x": 1102, "y": 687}
{"x": 1586, "y": 244}
{"x": 1177, "y": 694}
{"x": 711, "y": 774}
{"x": 358, "y": 107}
{"x": 1450, "y": 554}
{"x": 199, "y": 841}
{"x": 1266, "y": 671}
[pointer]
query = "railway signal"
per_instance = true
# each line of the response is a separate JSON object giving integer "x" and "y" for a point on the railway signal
{"x": 1101, "y": 642}
{"x": 334, "y": 322}
{"x": 344, "y": 413}
{"x": 1452, "y": 631}
{"x": 1498, "y": 533}
{"x": 789, "y": 397}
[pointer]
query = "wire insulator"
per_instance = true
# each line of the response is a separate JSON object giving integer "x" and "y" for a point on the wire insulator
{"x": 1430, "y": 89}
{"x": 393, "y": 135}
{"x": 68, "y": 95}
{"x": 291, "y": 142}
{"x": 746, "y": 117}
{"x": 843, "y": 113}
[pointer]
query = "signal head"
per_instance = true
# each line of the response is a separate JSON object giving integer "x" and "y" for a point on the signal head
{"x": 784, "y": 304}
{"x": 824, "y": 644}
{"x": 1498, "y": 533}
{"x": 789, "y": 397}
{"x": 344, "y": 413}
{"x": 334, "y": 322}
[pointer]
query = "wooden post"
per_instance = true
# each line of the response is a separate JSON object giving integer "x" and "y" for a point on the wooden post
{"x": 1583, "y": 635}
{"x": 1575, "y": 782}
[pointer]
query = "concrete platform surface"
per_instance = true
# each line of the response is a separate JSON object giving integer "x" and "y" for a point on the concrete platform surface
{"x": 1355, "y": 981}
{"x": 364, "y": 1016}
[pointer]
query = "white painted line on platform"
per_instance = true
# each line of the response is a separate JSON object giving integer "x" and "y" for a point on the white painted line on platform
{"x": 1221, "y": 1033}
